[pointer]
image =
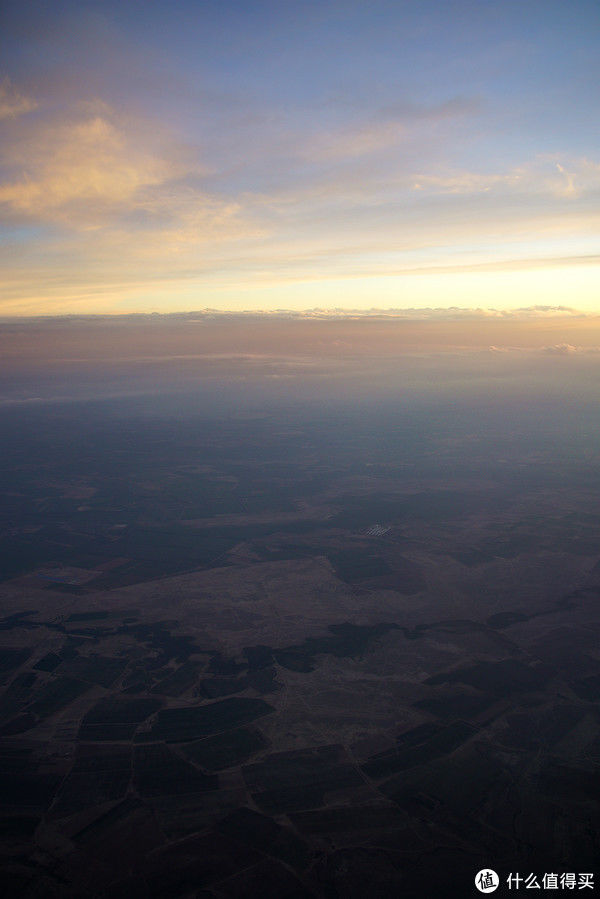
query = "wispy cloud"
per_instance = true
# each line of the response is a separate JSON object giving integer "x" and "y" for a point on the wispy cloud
{"x": 314, "y": 155}
{"x": 560, "y": 349}
{"x": 80, "y": 170}
{"x": 12, "y": 102}
{"x": 569, "y": 179}
{"x": 382, "y": 130}
{"x": 107, "y": 178}
{"x": 141, "y": 209}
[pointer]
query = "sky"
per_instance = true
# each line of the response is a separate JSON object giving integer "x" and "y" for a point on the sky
{"x": 163, "y": 157}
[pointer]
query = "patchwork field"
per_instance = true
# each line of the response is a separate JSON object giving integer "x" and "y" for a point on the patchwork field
{"x": 355, "y": 681}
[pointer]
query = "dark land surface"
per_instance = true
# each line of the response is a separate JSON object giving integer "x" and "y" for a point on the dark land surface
{"x": 298, "y": 653}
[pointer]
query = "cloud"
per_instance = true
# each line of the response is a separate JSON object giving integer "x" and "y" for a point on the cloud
{"x": 361, "y": 140}
{"x": 568, "y": 188}
{"x": 541, "y": 175}
{"x": 12, "y": 102}
{"x": 568, "y": 349}
{"x": 466, "y": 182}
{"x": 442, "y": 313}
{"x": 113, "y": 184}
{"x": 77, "y": 170}
{"x": 386, "y": 128}
{"x": 560, "y": 349}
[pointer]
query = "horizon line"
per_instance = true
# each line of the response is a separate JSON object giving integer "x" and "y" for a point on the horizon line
{"x": 319, "y": 313}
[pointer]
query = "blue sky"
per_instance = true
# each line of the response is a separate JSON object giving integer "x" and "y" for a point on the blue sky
{"x": 165, "y": 156}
